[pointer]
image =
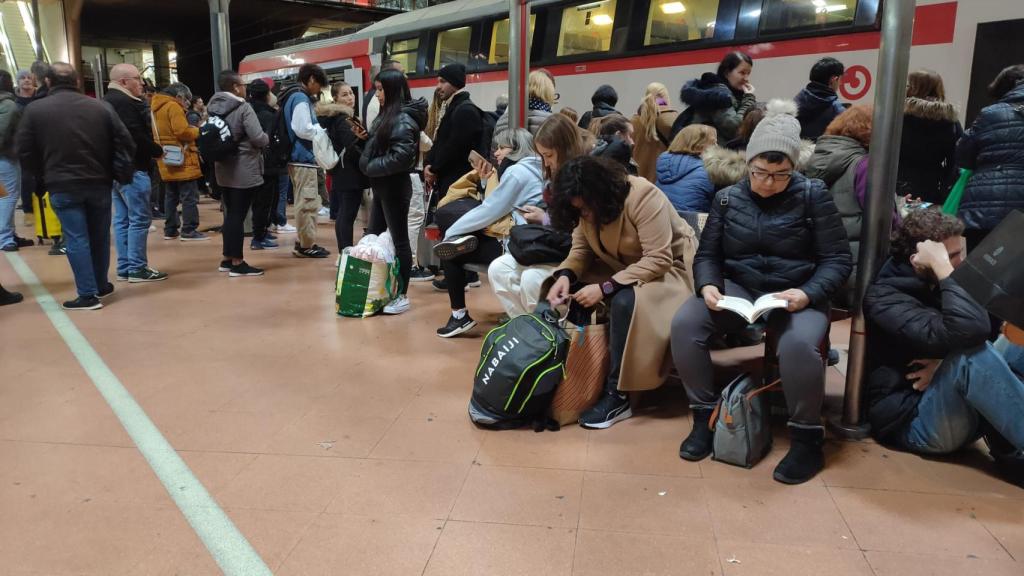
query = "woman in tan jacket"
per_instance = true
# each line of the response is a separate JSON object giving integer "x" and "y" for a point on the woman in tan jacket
{"x": 179, "y": 167}
{"x": 631, "y": 250}
{"x": 652, "y": 125}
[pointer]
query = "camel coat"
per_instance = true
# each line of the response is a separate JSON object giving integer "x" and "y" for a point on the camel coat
{"x": 650, "y": 248}
{"x": 173, "y": 129}
{"x": 646, "y": 151}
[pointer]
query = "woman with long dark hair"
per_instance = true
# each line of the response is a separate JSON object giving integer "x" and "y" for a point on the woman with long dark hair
{"x": 931, "y": 128}
{"x": 720, "y": 99}
{"x": 388, "y": 158}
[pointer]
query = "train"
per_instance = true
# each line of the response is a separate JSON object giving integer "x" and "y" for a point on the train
{"x": 629, "y": 44}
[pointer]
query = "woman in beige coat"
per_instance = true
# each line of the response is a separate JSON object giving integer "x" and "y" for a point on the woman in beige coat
{"x": 652, "y": 126}
{"x": 631, "y": 250}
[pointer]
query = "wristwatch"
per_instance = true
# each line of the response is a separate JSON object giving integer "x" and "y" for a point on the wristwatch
{"x": 607, "y": 288}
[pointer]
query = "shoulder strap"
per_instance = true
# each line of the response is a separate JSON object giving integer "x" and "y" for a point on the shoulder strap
{"x": 808, "y": 204}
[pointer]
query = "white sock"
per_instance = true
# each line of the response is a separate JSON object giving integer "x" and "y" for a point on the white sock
{"x": 459, "y": 314}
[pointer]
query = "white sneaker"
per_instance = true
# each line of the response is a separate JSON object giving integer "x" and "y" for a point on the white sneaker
{"x": 397, "y": 306}
{"x": 324, "y": 212}
{"x": 287, "y": 229}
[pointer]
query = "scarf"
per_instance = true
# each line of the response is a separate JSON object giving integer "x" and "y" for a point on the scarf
{"x": 536, "y": 104}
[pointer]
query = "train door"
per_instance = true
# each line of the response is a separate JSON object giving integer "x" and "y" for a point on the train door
{"x": 996, "y": 46}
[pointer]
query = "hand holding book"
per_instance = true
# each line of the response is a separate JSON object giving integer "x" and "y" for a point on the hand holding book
{"x": 792, "y": 300}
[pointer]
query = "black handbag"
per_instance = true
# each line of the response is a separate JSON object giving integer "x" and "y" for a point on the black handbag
{"x": 446, "y": 216}
{"x": 992, "y": 273}
{"x": 532, "y": 244}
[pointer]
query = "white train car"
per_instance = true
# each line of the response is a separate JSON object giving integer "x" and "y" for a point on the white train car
{"x": 629, "y": 43}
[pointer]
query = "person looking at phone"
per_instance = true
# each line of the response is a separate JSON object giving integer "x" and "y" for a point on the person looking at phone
{"x": 632, "y": 252}
{"x": 479, "y": 236}
{"x": 348, "y": 136}
{"x": 934, "y": 382}
{"x": 775, "y": 232}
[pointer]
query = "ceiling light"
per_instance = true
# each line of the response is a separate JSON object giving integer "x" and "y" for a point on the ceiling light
{"x": 818, "y": 3}
{"x": 673, "y": 8}
{"x": 602, "y": 20}
{"x": 835, "y": 7}
{"x": 590, "y": 6}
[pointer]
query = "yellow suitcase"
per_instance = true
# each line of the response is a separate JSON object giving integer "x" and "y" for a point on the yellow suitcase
{"x": 47, "y": 224}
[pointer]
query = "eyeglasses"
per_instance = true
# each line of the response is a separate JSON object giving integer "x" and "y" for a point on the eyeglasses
{"x": 764, "y": 176}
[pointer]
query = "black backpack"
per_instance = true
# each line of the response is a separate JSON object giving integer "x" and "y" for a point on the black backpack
{"x": 522, "y": 362}
{"x": 278, "y": 152}
{"x": 487, "y": 122}
{"x": 216, "y": 142}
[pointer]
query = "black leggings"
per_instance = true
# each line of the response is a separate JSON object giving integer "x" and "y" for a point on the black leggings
{"x": 263, "y": 202}
{"x": 236, "y": 206}
{"x": 391, "y": 196}
{"x": 486, "y": 252}
{"x": 345, "y": 206}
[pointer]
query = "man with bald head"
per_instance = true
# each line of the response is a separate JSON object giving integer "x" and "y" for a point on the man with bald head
{"x": 132, "y": 206}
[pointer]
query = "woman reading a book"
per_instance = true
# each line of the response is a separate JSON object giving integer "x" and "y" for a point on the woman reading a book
{"x": 774, "y": 233}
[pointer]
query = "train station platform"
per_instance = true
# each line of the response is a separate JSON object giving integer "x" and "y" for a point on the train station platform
{"x": 341, "y": 446}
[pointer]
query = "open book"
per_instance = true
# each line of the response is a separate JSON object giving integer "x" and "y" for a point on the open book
{"x": 751, "y": 310}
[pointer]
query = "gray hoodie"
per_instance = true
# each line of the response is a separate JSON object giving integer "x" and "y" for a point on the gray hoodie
{"x": 245, "y": 170}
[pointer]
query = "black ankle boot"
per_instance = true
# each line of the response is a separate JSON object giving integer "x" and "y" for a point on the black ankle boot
{"x": 697, "y": 446}
{"x": 806, "y": 456}
{"x": 9, "y": 297}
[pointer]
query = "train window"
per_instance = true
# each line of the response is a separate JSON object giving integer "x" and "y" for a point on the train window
{"x": 587, "y": 28}
{"x": 405, "y": 51}
{"x": 786, "y": 15}
{"x": 672, "y": 21}
{"x": 499, "y": 40}
{"x": 452, "y": 46}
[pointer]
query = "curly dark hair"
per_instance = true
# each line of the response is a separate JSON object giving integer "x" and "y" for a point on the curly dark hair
{"x": 920, "y": 225}
{"x": 601, "y": 184}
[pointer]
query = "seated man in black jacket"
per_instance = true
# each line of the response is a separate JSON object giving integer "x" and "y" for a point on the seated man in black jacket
{"x": 935, "y": 384}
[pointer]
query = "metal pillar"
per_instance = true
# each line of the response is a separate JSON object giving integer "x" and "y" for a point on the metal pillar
{"x": 161, "y": 64}
{"x": 73, "y": 26}
{"x": 518, "y": 61}
{"x": 220, "y": 36}
{"x": 38, "y": 35}
{"x": 886, "y": 135}
{"x": 99, "y": 70}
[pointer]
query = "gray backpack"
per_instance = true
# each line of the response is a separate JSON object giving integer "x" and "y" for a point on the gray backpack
{"x": 743, "y": 433}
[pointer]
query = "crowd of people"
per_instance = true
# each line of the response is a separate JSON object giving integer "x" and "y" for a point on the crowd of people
{"x": 615, "y": 208}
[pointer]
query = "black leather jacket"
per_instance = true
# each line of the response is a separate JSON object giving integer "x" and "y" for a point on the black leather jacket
{"x": 401, "y": 150}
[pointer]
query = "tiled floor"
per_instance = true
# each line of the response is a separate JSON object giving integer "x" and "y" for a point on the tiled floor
{"x": 342, "y": 446}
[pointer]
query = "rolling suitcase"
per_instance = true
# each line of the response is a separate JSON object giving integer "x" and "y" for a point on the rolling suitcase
{"x": 47, "y": 224}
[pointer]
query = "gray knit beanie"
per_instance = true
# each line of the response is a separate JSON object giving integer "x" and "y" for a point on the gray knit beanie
{"x": 779, "y": 131}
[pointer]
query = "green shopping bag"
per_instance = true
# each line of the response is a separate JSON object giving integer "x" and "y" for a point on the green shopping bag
{"x": 956, "y": 195}
{"x": 364, "y": 288}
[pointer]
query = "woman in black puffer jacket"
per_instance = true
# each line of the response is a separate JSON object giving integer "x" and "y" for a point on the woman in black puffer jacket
{"x": 719, "y": 99}
{"x": 776, "y": 232}
{"x": 388, "y": 158}
{"x": 994, "y": 148}
{"x": 931, "y": 129}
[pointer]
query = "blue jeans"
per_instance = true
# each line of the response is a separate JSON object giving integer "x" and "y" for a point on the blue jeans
{"x": 10, "y": 176}
{"x": 132, "y": 217}
{"x": 979, "y": 383}
{"x": 85, "y": 220}
{"x": 284, "y": 182}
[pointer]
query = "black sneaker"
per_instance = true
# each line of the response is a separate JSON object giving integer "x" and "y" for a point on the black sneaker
{"x": 146, "y": 275}
{"x": 105, "y": 291}
{"x": 244, "y": 269}
{"x": 441, "y": 285}
{"x": 23, "y": 242}
{"x": 10, "y": 248}
{"x": 313, "y": 251}
{"x": 83, "y": 303}
{"x": 225, "y": 266}
{"x": 610, "y": 409}
{"x": 171, "y": 235}
{"x": 456, "y": 326}
{"x": 421, "y": 274}
{"x": 9, "y": 297}
{"x": 454, "y": 248}
{"x": 59, "y": 248}
{"x": 473, "y": 280}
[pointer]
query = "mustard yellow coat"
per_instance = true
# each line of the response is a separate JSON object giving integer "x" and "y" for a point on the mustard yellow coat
{"x": 171, "y": 128}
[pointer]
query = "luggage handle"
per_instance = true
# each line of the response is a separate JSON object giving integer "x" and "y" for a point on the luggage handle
{"x": 750, "y": 396}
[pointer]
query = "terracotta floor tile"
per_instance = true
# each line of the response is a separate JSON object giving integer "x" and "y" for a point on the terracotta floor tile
{"x": 273, "y": 533}
{"x": 565, "y": 449}
{"x": 534, "y": 496}
{"x": 398, "y": 488}
{"x": 433, "y": 440}
{"x": 291, "y": 483}
{"x": 893, "y": 564}
{"x": 642, "y": 445}
{"x": 216, "y": 469}
{"x": 210, "y": 431}
{"x": 916, "y": 523}
{"x": 473, "y": 549}
{"x": 645, "y": 504}
{"x": 328, "y": 435}
{"x": 337, "y": 544}
{"x": 1004, "y": 519}
{"x": 777, "y": 514}
{"x": 600, "y": 553}
{"x": 746, "y": 558}
{"x": 78, "y": 417}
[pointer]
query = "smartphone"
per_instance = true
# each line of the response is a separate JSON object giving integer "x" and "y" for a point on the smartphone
{"x": 521, "y": 209}
{"x": 475, "y": 158}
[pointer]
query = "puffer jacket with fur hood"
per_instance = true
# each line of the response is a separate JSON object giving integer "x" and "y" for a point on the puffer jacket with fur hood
{"x": 931, "y": 129}
{"x": 334, "y": 118}
{"x": 724, "y": 167}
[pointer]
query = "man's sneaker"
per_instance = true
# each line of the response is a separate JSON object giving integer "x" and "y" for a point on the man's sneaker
{"x": 146, "y": 275}
{"x": 83, "y": 303}
{"x": 454, "y": 248}
{"x": 10, "y": 248}
{"x": 269, "y": 236}
{"x": 122, "y": 277}
{"x": 313, "y": 251}
{"x": 225, "y": 266}
{"x": 456, "y": 326}
{"x": 244, "y": 269}
{"x": 265, "y": 244}
{"x": 7, "y": 298}
{"x": 105, "y": 291}
{"x": 171, "y": 236}
{"x": 23, "y": 242}
{"x": 473, "y": 280}
{"x": 441, "y": 285}
{"x": 324, "y": 212}
{"x": 397, "y": 306}
{"x": 59, "y": 248}
{"x": 194, "y": 236}
{"x": 286, "y": 229}
{"x": 420, "y": 274}
{"x": 610, "y": 409}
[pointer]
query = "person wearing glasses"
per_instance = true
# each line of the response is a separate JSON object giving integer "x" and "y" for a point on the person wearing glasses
{"x": 775, "y": 232}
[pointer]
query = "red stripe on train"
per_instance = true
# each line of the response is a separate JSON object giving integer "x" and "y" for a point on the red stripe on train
{"x": 326, "y": 54}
